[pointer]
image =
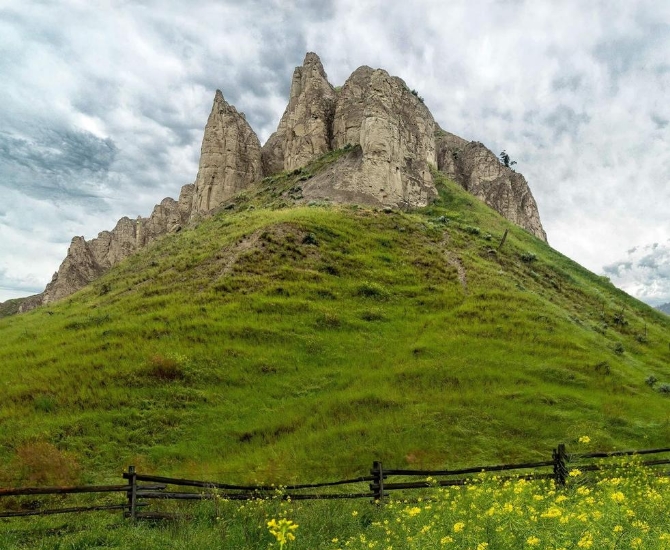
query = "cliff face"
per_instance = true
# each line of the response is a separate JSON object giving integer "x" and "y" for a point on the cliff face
{"x": 479, "y": 171}
{"x": 398, "y": 143}
{"x": 394, "y": 130}
{"x": 395, "y": 143}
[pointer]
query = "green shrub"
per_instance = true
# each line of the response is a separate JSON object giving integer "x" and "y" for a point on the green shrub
{"x": 164, "y": 369}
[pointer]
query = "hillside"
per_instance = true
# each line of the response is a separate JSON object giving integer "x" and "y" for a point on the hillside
{"x": 391, "y": 141}
{"x": 665, "y": 308}
{"x": 272, "y": 341}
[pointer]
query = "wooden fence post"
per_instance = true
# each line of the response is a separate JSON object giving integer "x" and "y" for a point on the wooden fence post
{"x": 502, "y": 241}
{"x": 560, "y": 469}
{"x": 377, "y": 485}
{"x": 132, "y": 494}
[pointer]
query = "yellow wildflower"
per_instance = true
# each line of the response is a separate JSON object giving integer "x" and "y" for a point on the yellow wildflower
{"x": 617, "y": 496}
{"x": 586, "y": 541}
{"x": 552, "y": 512}
{"x": 282, "y": 530}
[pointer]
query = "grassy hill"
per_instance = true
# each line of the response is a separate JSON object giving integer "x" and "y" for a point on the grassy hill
{"x": 274, "y": 341}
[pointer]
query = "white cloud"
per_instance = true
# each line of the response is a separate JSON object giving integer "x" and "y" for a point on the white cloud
{"x": 644, "y": 272}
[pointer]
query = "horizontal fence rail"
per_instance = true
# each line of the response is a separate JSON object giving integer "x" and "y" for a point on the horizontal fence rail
{"x": 141, "y": 489}
{"x": 70, "y": 490}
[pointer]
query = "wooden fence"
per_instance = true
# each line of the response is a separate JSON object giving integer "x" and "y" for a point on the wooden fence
{"x": 139, "y": 489}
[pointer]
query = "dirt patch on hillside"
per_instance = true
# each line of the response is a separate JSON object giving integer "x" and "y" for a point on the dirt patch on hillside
{"x": 454, "y": 261}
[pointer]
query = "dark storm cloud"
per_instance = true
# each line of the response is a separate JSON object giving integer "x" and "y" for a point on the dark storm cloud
{"x": 659, "y": 121}
{"x": 17, "y": 284}
{"x": 567, "y": 82}
{"x": 618, "y": 269}
{"x": 55, "y": 164}
{"x": 621, "y": 54}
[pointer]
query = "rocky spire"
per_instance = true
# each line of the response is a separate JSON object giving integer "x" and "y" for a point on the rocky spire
{"x": 230, "y": 157}
{"x": 305, "y": 129}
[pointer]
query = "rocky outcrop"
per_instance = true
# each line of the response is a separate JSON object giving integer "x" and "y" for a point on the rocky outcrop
{"x": 391, "y": 143}
{"x": 88, "y": 260}
{"x": 167, "y": 217}
{"x": 20, "y": 305}
{"x": 230, "y": 157}
{"x": 448, "y": 146}
{"x": 479, "y": 171}
{"x": 394, "y": 132}
{"x": 305, "y": 130}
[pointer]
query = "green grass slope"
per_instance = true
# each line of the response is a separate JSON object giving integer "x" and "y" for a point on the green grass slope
{"x": 274, "y": 342}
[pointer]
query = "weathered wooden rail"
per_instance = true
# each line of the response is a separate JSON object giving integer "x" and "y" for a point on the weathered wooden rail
{"x": 41, "y": 491}
{"x": 140, "y": 489}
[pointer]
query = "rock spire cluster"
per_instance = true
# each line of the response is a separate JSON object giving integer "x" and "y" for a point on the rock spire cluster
{"x": 393, "y": 143}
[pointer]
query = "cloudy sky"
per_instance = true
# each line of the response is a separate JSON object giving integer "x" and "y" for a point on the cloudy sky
{"x": 103, "y": 104}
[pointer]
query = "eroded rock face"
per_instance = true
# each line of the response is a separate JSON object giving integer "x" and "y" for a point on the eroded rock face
{"x": 395, "y": 132}
{"x": 448, "y": 146}
{"x": 230, "y": 157}
{"x": 305, "y": 130}
{"x": 479, "y": 171}
{"x": 88, "y": 260}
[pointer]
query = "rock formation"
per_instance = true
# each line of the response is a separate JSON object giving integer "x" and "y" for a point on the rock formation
{"x": 87, "y": 260}
{"x": 305, "y": 129}
{"x": 230, "y": 157}
{"x": 395, "y": 132}
{"x": 392, "y": 144}
{"x": 479, "y": 171}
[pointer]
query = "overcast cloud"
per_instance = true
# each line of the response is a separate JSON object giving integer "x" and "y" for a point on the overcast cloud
{"x": 102, "y": 108}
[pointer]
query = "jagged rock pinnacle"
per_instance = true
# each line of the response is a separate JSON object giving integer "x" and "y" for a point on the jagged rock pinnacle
{"x": 230, "y": 157}
{"x": 305, "y": 129}
{"x": 479, "y": 171}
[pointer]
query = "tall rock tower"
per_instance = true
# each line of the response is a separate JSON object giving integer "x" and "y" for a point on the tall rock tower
{"x": 305, "y": 129}
{"x": 230, "y": 157}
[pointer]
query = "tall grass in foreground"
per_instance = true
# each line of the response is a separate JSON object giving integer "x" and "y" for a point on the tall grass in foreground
{"x": 626, "y": 508}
